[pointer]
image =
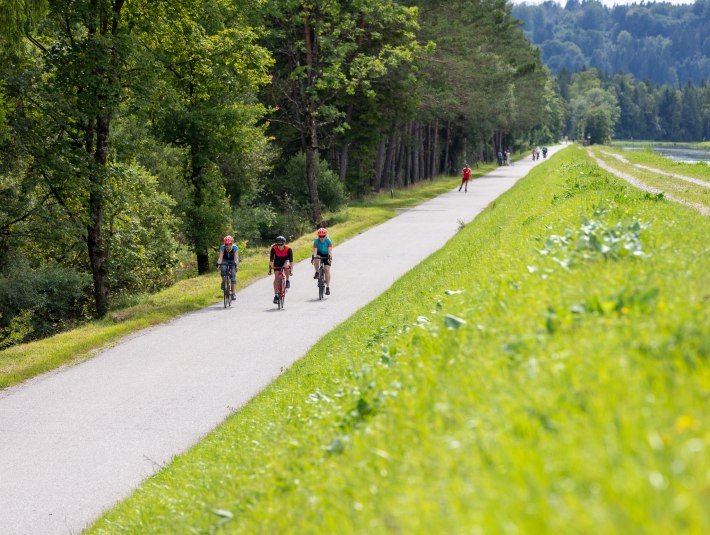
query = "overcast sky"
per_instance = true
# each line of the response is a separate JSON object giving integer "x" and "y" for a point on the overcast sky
{"x": 605, "y": 2}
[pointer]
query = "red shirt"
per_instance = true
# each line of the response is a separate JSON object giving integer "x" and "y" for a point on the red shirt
{"x": 466, "y": 173}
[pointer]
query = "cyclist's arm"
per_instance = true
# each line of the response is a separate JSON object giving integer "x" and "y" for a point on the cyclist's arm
{"x": 219, "y": 260}
{"x": 330, "y": 251}
{"x": 272, "y": 257}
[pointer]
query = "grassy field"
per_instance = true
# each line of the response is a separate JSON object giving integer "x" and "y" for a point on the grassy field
{"x": 676, "y": 187}
{"x": 642, "y": 144}
{"x": 24, "y": 361}
{"x": 545, "y": 372}
{"x": 649, "y": 158}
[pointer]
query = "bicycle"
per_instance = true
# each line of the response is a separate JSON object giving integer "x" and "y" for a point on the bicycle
{"x": 280, "y": 285}
{"x": 227, "y": 285}
{"x": 321, "y": 278}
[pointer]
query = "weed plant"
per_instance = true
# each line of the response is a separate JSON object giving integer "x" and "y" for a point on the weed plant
{"x": 479, "y": 396}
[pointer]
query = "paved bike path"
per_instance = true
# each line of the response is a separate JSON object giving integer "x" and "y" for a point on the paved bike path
{"x": 76, "y": 441}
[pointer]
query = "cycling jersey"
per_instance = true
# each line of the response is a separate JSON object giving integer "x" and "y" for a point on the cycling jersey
{"x": 279, "y": 258}
{"x": 229, "y": 257}
{"x": 322, "y": 246}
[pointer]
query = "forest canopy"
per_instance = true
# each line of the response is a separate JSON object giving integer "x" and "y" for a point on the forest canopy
{"x": 654, "y": 41}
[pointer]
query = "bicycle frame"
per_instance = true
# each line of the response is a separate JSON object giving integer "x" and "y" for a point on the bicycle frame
{"x": 227, "y": 285}
{"x": 281, "y": 284}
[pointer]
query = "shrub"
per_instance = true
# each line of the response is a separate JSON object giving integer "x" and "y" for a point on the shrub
{"x": 331, "y": 190}
{"x": 48, "y": 296}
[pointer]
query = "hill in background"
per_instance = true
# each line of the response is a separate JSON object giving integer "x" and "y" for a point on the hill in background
{"x": 661, "y": 42}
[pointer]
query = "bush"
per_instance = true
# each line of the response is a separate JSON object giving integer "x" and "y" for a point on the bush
{"x": 48, "y": 296}
{"x": 254, "y": 223}
{"x": 141, "y": 230}
{"x": 331, "y": 190}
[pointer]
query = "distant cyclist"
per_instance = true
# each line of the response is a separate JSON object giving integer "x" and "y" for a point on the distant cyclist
{"x": 229, "y": 256}
{"x": 544, "y": 152}
{"x": 323, "y": 252}
{"x": 465, "y": 177}
{"x": 281, "y": 258}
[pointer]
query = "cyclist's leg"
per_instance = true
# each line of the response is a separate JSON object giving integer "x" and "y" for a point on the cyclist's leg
{"x": 287, "y": 273}
{"x": 234, "y": 280}
{"x": 316, "y": 264}
{"x": 326, "y": 268}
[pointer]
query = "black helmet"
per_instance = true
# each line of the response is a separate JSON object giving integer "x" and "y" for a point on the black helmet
{"x": 280, "y": 240}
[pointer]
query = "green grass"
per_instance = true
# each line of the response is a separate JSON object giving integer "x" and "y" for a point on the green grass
{"x": 680, "y": 189}
{"x": 649, "y": 158}
{"x": 24, "y": 361}
{"x": 679, "y": 144}
{"x": 561, "y": 401}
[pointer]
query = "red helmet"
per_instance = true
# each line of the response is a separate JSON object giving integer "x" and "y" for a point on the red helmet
{"x": 228, "y": 240}
{"x": 322, "y": 232}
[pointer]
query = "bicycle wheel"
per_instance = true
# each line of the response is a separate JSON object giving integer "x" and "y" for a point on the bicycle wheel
{"x": 321, "y": 284}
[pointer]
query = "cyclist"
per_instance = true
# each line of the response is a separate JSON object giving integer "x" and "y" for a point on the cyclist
{"x": 465, "y": 177}
{"x": 229, "y": 256}
{"x": 323, "y": 252}
{"x": 281, "y": 257}
{"x": 544, "y": 152}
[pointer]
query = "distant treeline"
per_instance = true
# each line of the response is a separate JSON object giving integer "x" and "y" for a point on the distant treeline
{"x": 136, "y": 134}
{"x": 661, "y": 42}
{"x": 629, "y": 109}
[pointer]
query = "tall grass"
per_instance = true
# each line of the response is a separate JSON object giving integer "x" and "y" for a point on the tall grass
{"x": 546, "y": 372}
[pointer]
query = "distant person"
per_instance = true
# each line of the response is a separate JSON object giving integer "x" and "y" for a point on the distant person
{"x": 500, "y": 158}
{"x": 229, "y": 257}
{"x": 508, "y": 161}
{"x": 465, "y": 177}
{"x": 280, "y": 258}
{"x": 544, "y": 152}
{"x": 323, "y": 252}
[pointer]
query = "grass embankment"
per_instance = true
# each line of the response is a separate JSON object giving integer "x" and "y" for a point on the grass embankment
{"x": 674, "y": 186}
{"x": 700, "y": 170}
{"x": 489, "y": 390}
{"x": 24, "y": 361}
{"x": 678, "y": 144}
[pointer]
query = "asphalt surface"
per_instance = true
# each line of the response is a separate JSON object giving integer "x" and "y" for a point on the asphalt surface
{"x": 76, "y": 441}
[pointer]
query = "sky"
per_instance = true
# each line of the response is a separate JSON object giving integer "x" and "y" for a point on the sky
{"x": 606, "y": 2}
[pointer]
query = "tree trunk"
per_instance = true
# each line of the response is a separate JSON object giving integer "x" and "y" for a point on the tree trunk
{"x": 343, "y": 162}
{"x": 379, "y": 164}
{"x": 435, "y": 148}
{"x": 388, "y": 171}
{"x": 446, "y": 147}
{"x": 311, "y": 178}
{"x": 311, "y": 134}
{"x": 94, "y": 231}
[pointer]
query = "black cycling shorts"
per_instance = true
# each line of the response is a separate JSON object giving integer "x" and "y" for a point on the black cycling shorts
{"x": 324, "y": 258}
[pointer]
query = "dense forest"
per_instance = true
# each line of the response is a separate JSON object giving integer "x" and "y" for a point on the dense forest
{"x": 135, "y": 134}
{"x": 658, "y": 42}
{"x": 601, "y": 107}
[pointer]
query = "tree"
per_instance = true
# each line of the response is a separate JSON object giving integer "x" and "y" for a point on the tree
{"x": 208, "y": 68}
{"x": 320, "y": 53}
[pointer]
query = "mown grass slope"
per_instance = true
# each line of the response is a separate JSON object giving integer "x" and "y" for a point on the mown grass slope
{"x": 645, "y": 166}
{"x": 545, "y": 372}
